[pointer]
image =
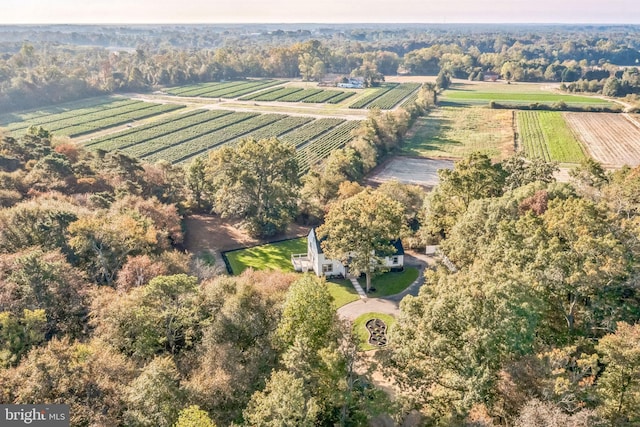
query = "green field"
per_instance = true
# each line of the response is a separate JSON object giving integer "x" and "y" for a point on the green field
{"x": 272, "y": 256}
{"x": 514, "y": 94}
{"x": 455, "y": 132}
{"x": 360, "y": 329}
{"x": 545, "y": 134}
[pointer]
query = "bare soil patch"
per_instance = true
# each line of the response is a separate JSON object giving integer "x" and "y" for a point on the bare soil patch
{"x": 212, "y": 233}
{"x": 410, "y": 170}
{"x": 612, "y": 139}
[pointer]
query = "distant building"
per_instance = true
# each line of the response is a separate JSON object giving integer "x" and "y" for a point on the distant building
{"x": 315, "y": 260}
{"x": 491, "y": 77}
{"x": 352, "y": 83}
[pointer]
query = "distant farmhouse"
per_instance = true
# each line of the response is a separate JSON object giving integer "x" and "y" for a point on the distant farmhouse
{"x": 315, "y": 259}
{"x": 491, "y": 77}
{"x": 352, "y": 83}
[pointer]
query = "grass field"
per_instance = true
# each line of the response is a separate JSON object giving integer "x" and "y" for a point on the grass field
{"x": 273, "y": 256}
{"x": 469, "y": 93}
{"x": 360, "y": 329}
{"x": 457, "y": 132}
{"x": 546, "y": 134}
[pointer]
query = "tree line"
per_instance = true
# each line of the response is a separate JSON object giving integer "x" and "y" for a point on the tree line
{"x": 55, "y": 67}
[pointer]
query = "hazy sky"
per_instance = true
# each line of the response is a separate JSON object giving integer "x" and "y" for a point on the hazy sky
{"x": 234, "y": 11}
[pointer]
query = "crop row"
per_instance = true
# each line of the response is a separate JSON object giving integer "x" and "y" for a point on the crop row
{"x": 151, "y": 146}
{"x": 184, "y": 90}
{"x": 410, "y": 100}
{"x": 531, "y": 135}
{"x": 299, "y": 96}
{"x": 339, "y": 98}
{"x": 107, "y": 122}
{"x": 184, "y": 151}
{"x": 279, "y": 128}
{"x": 197, "y": 90}
{"x": 321, "y": 147}
{"x": 241, "y": 90}
{"x": 391, "y": 98}
{"x": 563, "y": 145}
{"x": 310, "y": 131}
{"x": 322, "y": 96}
{"x": 546, "y": 134}
{"x": 61, "y": 126}
{"x": 366, "y": 100}
{"x": 74, "y": 116}
{"x": 274, "y": 94}
{"x": 39, "y": 113}
{"x": 158, "y": 129}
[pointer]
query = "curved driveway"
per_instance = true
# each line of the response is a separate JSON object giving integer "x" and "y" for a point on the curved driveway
{"x": 388, "y": 305}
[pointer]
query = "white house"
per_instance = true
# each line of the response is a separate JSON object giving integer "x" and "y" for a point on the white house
{"x": 352, "y": 83}
{"x": 315, "y": 259}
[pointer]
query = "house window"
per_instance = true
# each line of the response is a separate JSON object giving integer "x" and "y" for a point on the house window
{"x": 327, "y": 268}
{"x": 394, "y": 260}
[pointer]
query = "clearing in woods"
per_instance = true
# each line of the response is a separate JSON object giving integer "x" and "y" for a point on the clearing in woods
{"x": 612, "y": 139}
{"x": 457, "y": 132}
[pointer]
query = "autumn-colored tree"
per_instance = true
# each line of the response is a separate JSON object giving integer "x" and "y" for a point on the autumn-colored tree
{"x": 360, "y": 231}
{"x": 258, "y": 182}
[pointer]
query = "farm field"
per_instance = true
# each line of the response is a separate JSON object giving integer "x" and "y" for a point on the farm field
{"x": 468, "y": 93}
{"x": 611, "y": 139}
{"x": 453, "y": 132}
{"x": 179, "y": 138}
{"x": 87, "y": 119}
{"x": 545, "y": 134}
{"x": 408, "y": 170}
{"x": 231, "y": 89}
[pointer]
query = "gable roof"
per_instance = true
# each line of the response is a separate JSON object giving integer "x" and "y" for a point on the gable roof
{"x": 313, "y": 238}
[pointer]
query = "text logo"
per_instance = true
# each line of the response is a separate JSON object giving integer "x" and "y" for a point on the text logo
{"x": 34, "y": 415}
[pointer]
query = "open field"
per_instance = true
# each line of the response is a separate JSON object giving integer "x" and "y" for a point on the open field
{"x": 481, "y": 93}
{"x": 456, "y": 132}
{"x": 272, "y": 256}
{"x": 86, "y": 117}
{"x": 611, "y": 139}
{"x": 409, "y": 170}
{"x": 178, "y": 139}
{"x": 545, "y": 134}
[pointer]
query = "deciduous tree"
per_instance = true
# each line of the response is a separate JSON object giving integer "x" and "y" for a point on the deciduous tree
{"x": 360, "y": 231}
{"x": 258, "y": 182}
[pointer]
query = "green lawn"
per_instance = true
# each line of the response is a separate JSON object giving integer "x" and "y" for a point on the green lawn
{"x": 391, "y": 283}
{"x": 272, "y": 256}
{"x": 457, "y": 132}
{"x": 342, "y": 291}
{"x": 360, "y": 329}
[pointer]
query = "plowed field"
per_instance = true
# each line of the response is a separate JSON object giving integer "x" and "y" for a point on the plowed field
{"x": 612, "y": 139}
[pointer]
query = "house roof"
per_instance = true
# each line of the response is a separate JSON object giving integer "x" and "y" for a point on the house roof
{"x": 313, "y": 236}
{"x": 397, "y": 244}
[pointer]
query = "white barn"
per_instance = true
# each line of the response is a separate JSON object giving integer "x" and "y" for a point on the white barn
{"x": 315, "y": 259}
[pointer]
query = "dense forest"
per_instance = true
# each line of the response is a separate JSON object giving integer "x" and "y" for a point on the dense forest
{"x": 45, "y": 65}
